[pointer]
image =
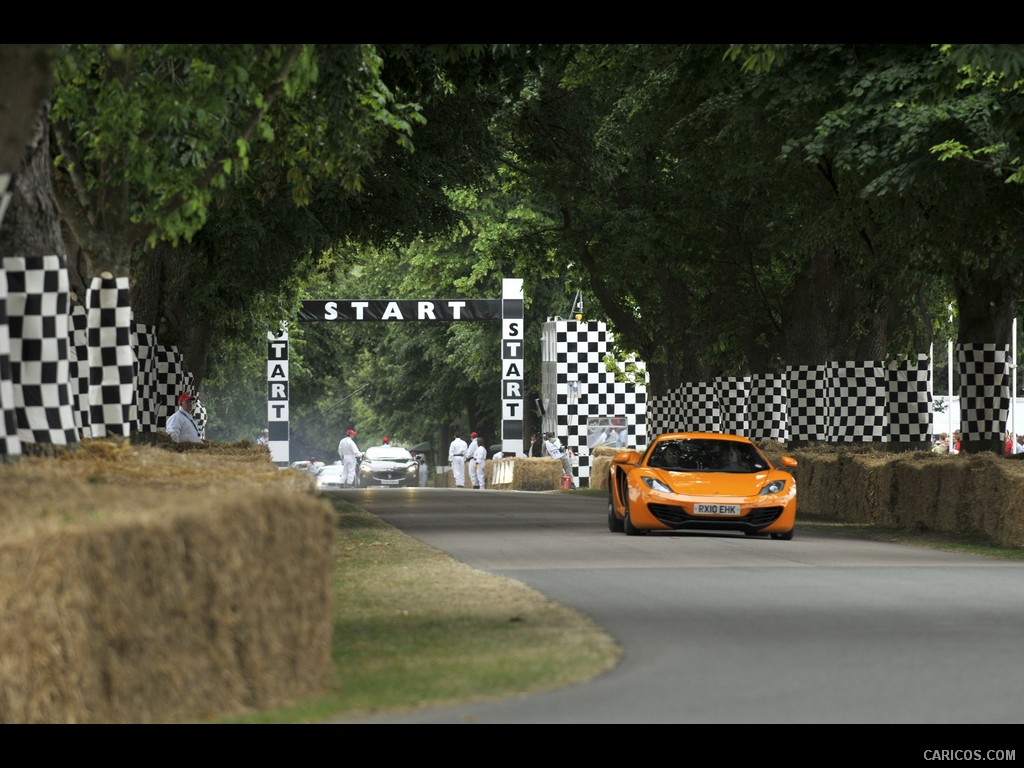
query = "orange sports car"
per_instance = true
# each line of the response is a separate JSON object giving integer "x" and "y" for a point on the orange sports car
{"x": 701, "y": 481}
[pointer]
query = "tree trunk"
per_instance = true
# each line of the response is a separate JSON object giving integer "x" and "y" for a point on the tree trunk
{"x": 31, "y": 226}
{"x": 26, "y": 80}
{"x": 828, "y": 319}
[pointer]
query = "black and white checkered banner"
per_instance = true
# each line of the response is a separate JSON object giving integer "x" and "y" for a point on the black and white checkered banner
{"x": 38, "y": 317}
{"x": 984, "y": 390}
{"x": 112, "y": 406}
{"x": 10, "y": 444}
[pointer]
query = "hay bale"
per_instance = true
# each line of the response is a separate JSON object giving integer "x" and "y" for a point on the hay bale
{"x": 522, "y": 473}
{"x": 599, "y": 468}
{"x": 139, "y": 585}
{"x": 968, "y": 493}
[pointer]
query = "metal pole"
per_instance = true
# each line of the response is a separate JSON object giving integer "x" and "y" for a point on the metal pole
{"x": 949, "y": 375}
{"x": 949, "y": 383}
{"x": 1013, "y": 392}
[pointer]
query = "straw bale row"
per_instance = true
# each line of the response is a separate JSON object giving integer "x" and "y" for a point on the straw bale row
{"x": 976, "y": 494}
{"x": 139, "y": 585}
{"x": 517, "y": 473}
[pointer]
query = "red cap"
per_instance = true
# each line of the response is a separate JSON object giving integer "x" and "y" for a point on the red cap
{"x": 472, "y": 434}
{"x": 385, "y": 439}
{"x": 184, "y": 396}
{"x": 351, "y": 433}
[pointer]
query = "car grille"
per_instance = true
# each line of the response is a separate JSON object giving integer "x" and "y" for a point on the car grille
{"x": 678, "y": 517}
{"x": 395, "y": 475}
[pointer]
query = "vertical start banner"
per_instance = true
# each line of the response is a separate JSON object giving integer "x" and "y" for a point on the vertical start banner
{"x": 512, "y": 359}
{"x": 277, "y": 396}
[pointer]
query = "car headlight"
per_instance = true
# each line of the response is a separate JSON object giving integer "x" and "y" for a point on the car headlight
{"x": 775, "y": 486}
{"x": 656, "y": 485}
{"x": 412, "y": 469}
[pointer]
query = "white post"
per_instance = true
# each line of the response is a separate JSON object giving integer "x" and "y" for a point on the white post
{"x": 1013, "y": 391}
{"x": 931, "y": 379}
{"x": 949, "y": 375}
{"x": 949, "y": 383}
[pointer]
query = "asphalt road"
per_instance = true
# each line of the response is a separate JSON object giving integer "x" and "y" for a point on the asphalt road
{"x": 719, "y": 628}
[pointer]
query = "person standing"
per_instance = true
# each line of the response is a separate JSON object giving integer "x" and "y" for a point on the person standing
{"x": 457, "y": 458}
{"x": 387, "y": 441}
{"x": 181, "y": 426}
{"x": 555, "y": 452}
{"x": 424, "y": 470}
{"x": 470, "y": 456}
{"x": 349, "y": 453}
{"x": 536, "y": 448}
{"x": 264, "y": 438}
{"x": 478, "y": 467}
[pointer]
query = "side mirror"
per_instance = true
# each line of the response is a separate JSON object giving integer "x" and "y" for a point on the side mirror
{"x": 627, "y": 457}
{"x": 788, "y": 461}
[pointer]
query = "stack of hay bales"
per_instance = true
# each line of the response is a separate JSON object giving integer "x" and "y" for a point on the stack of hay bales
{"x": 600, "y": 462}
{"x": 521, "y": 473}
{"x": 146, "y": 586}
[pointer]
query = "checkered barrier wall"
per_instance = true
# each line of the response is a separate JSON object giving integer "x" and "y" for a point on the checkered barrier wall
{"x": 584, "y": 388}
{"x": 79, "y": 356}
{"x": 910, "y": 401}
{"x": 665, "y": 413}
{"x": 807, "y": 392}
{"x": 768, "y": 408}
{"x": 984, "y": 390}
{"x": 38, "y": 311}
{"x": 145, "y": 378}
{"x": 10, "y": 444}
{"x": 733, "y": 394}
{"x": 200, "y": 415}
{"x": 700, "y": 409}
{"x": 858, "y": 402}
{"x": 837, "y": 402}
{"x": 111, "y": 358}
{"x": 172, "y": 378}
{"x": 755, "y": 406}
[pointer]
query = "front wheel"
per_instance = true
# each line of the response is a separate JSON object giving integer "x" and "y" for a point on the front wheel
{"x": 784, "y": 536}
{"x": 627, "y": 524}
{"x": 614, "y": 523}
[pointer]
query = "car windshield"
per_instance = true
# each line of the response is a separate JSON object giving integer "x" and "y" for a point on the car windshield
{"x": 387, "y": 453}
{"x": 697, "y": 455}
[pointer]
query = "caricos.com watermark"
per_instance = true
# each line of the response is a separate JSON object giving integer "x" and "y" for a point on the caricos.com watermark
{"x": 970, "y": 754}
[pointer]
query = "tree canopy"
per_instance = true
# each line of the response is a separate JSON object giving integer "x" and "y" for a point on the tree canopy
{"x": 727, "y": 209}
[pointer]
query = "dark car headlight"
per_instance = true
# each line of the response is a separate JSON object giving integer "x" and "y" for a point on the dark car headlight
{"x": 656, "y": 485}
{"x": 412, "y": 469}
{"x": 775, "y": 486}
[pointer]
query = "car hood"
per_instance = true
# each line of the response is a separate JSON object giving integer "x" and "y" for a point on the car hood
{"x": 717, "y": 483}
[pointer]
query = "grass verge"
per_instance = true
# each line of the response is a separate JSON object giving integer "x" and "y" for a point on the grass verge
{"x": 415, "y": 628}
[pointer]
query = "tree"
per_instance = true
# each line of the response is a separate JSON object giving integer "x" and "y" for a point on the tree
{"x": 26, "y": 79}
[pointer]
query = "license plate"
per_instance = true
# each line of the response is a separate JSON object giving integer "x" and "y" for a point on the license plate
{"x": 389, "y": 482}
{"x": 716, "y": 509}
